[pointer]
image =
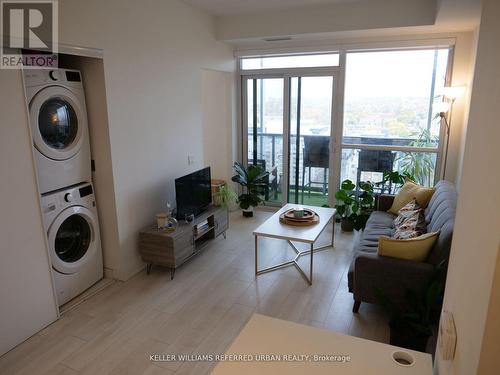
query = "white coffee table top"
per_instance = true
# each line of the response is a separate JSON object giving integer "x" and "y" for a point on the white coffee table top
{"x": 273, "y": 228}
{"x": 263, "y": 335}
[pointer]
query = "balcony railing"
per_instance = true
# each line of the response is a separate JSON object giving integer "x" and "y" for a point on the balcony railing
{"x": 270, "y": 154}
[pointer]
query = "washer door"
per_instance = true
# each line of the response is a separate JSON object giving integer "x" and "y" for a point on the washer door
{"x": 58, "y": 122}
{"x": 72, "y": 238}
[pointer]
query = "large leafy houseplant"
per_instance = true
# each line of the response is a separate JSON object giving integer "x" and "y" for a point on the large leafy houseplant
{"x": 411, "y": 324}
{"x": 420, "y": 165}
{"x": 253, "y": 181}
{"x": 354, "y": 205}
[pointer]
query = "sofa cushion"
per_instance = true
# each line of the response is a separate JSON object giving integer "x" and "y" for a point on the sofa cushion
{"x": 444, "y": 199}
{"x": 369, "y": 239}
{"x": 417, "y": 248}
{"x": 405, "y": 212}
{"x": 409, "y": 191}
{"x": 410, "y": 222}
{"x": 380, "y": 219}
{"x": 440, "y": 216}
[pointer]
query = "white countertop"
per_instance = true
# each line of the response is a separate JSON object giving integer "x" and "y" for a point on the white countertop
{"x": 263, "y": 336}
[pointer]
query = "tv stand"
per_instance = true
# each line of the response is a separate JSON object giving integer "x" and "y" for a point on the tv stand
{"x": 172, "y": 249}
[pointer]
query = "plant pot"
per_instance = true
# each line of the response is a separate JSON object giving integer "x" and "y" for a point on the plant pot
{"x": 346, "y": 225}
{"x": 248, "y": 212}
{"x": 407, "y": 338}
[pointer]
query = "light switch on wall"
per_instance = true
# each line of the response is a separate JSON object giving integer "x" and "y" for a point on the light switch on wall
{"x": 190, "y": 159}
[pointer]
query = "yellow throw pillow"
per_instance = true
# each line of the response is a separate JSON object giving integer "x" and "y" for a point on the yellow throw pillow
{"x": 409, "y": 191}
{"x": 416, "y": 248}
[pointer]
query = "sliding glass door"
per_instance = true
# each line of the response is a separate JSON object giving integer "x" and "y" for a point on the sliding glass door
{"x": 310, "y": 127}
{"x": 264, "y": 108}
{"x": 288, "y": 127}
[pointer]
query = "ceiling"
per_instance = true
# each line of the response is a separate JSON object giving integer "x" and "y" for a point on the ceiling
{"x": 231, "y": 7}
{"x": 242, "y": 21}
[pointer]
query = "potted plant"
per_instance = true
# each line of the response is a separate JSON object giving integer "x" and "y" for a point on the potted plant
{"x": 420, "y": 165}
{"x": 393, "y": 180}
{"x": 354, "y": 205}
{"x": 411, "y": 324}
{"x": 225, "y": 197}
{"x": 253, "y": 181}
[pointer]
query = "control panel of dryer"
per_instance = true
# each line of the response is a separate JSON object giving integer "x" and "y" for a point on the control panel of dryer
{"x": 82, "y": 194}
{"x": 36, "y": 77}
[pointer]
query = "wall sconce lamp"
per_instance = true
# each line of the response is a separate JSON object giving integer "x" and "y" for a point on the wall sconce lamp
{"x": 444, "y": 109}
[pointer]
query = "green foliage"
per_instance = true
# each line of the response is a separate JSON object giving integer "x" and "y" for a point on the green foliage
{"x": 353, "y": 205}
{"x": 225, "y": 196}
{"x": 420, "y": 165}
{"x": 253, "y": 180}
{"x": 421, "y": 310}
{"x": 393, "y": 180}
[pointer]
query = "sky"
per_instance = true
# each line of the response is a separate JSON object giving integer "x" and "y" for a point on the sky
{"x": 385, "y": 74}
{"x": 371, "y": 74}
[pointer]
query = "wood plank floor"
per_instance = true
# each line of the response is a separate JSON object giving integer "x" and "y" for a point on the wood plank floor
{"x": 200, "y": 312}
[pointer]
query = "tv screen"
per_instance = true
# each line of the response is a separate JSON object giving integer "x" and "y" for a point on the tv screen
{"x": 193, "y": 193}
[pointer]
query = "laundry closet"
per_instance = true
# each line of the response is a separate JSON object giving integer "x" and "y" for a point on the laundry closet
{"x": 64, "y": 187}
{"x": 68, "y": 121}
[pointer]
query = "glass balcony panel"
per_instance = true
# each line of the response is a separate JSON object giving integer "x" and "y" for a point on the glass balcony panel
{"x": 369, "y": 165}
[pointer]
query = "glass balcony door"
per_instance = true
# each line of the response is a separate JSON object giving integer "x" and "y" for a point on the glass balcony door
{"x": 263, "y": 115}
{"x": 288, "y": 124}
{"x": 311, "y": 103}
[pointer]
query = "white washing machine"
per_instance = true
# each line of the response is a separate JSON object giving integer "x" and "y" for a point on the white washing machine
{"x": 58, "y": 119}
{"x": 72, "y": 226}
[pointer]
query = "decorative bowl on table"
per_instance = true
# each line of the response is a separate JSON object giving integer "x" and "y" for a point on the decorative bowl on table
{"x": 305, "y": 218}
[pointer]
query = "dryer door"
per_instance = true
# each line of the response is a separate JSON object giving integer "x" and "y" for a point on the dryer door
{"x": 72, "y": 239}
{"x": 58, "y": 122}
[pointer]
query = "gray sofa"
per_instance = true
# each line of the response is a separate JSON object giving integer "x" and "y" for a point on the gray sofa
{"x": 393, "y": 276}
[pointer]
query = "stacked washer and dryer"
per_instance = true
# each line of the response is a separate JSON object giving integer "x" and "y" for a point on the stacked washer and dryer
{"x": 58, "y": 119}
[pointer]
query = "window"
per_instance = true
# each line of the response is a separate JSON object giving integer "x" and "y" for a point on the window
{"x": 389, "y": 101}
{"x": 293, "y": 61}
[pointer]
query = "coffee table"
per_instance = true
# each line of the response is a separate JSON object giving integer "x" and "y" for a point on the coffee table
{"x": 273, "y": 228}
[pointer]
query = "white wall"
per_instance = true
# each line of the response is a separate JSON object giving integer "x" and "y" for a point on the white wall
{"x": 217, "y": 122}
{"x": 154, "y": 53}
{"x": 488, "y": 360}
{"x": 27, "y": 302}
{"x": 476, "y": 238}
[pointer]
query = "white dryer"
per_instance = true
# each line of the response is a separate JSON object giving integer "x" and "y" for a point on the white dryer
{"x": 72, "y": 226}
{"x": 58, "y": 119}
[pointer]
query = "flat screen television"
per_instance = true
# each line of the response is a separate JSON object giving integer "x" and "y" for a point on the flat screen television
{"x": 193, "y": 193}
